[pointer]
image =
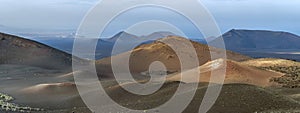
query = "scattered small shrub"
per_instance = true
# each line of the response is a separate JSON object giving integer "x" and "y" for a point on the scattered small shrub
{"x": 5, "y": 105}
{"x": 291, "y": 79}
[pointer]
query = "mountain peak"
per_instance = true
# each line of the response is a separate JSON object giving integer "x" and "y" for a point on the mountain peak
{"x": 232, "y": 30}
{"x": 170, "y": 38}
{"x": 257, "y": 31}
{"x": 164, "y": 33}
{"x": 260, "y": 39}
{"x": 121, "y": 35}
{"x": 158, "y": 35}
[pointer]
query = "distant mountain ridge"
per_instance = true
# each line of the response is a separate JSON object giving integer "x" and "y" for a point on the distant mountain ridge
{"x": 122, "y": 36}
{"x": 262, "y": 43}
{"x": 158, "y": 35}
{"x": 254, "y": 43}
{"x": 260, "y": 39}
{"x": 105, "y": 45}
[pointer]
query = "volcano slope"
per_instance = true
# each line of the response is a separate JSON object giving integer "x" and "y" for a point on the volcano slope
{"x": 142, "y": 56}
{"x": 20, "y": 51}
{"x": 233, "y": 98}
{"x": 247, "y": 89}
{"x": 43, "y": 85}
{"x": 232, "y": 72}
{"x": 239, "y": 98}
{"x": 291, "y": 69}
{"x": 29, "y": 72}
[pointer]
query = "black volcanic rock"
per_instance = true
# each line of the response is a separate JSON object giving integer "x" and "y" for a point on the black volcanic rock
{"x": 20, "y": 51}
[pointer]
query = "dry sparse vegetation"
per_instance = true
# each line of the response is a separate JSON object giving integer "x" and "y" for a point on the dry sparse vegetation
{"x": 291, "y": 79}
{"x": 5, "y": 105}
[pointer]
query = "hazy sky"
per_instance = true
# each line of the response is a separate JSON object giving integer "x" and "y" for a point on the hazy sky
{"x": 67, "y": 14}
